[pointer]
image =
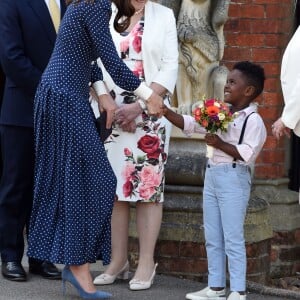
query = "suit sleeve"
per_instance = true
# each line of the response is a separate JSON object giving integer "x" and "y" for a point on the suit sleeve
{"x": 16, "y": 65}
{"x": 290, "y": 81}
{"x": 291, "y": 111}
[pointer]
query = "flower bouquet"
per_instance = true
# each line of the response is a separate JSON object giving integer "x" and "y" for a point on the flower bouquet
{"x": 214, "y": 115}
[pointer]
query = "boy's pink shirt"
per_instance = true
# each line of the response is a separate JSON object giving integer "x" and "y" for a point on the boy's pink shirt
{"x": 254, "y": 137}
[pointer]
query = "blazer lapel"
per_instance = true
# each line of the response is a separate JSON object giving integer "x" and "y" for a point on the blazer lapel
{"x": 41, "y": 11}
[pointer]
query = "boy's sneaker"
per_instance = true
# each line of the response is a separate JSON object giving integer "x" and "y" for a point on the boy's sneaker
{"x": 206, "y": 294}
{"x": 236, "y": 296}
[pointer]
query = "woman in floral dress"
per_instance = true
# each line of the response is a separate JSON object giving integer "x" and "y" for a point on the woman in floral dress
{"x": 138, "y": 146}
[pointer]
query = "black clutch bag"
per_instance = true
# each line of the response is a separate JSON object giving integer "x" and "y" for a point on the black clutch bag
{"x": 104, "y": 133}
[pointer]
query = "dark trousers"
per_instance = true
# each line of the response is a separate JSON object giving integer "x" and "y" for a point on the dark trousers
{"x": 16, "y": 189}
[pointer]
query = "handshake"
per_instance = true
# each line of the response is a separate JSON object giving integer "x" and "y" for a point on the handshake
{"x": 125, "y": 115}
{"x": 154, "y": 105}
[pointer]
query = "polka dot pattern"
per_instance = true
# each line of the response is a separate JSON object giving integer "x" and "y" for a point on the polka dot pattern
{"x": 74, "y": 182}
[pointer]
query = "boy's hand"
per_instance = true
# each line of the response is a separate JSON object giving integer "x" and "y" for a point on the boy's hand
{"x": 213, "y": 140}
{"x": 164, "y": 109}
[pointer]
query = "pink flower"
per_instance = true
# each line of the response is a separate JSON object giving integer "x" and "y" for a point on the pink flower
{"x": 137, "y": 44}
{"x": 209, "y": 102}
{"x": 127, "y": 152}
{"x": 124, "y": 45}
{"x": 138, "y": 68}
{"x": 136, "y": 29}
{"x": 146, "y": 191}
{"x": 127, "y": 188}
{"x": 128, "y": 171}
{"x": 150, "y": 177}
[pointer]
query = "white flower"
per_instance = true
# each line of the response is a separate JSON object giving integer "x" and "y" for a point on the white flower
{"x": 201, "y": 104}
{"x": 217, "y": 104}
{"x": 225, "y": 125}
{"x": 221, "y": 116}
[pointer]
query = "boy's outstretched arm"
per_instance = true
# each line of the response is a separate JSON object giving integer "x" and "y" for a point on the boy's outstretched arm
{"x": 173, "y": 117}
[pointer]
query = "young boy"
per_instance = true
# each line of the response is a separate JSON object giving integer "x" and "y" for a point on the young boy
{"x": 228, "y": 181}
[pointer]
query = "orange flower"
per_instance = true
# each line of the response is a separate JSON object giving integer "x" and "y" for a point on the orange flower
{"x": 213, "y": 115}
{"x": 212, "y": 110}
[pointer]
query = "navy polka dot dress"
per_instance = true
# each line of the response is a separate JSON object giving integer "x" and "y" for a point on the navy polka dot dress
{"x": 74, "y": 182}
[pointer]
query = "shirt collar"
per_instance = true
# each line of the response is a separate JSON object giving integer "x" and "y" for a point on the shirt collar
{"x": 248, "y": 110}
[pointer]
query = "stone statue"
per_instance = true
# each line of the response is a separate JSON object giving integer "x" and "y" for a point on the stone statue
{"x": 201, "y": 46}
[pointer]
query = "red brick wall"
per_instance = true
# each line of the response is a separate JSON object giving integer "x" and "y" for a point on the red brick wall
{"x": 258, "y": 31}
{"x": 189, "y": 260}
{"x": 285, "y": 253}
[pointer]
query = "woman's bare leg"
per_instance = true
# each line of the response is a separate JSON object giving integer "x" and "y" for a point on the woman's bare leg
{"x": 149, "y": 216}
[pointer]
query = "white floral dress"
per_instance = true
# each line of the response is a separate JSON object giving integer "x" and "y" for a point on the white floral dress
{"x": 138, "y": 159}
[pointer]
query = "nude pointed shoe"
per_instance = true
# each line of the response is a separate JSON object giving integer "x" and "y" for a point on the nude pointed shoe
{"x": 109, "y": 279}
{"x": 138, "y": 285}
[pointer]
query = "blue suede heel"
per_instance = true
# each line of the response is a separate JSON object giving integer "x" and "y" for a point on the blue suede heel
{"x": 67, "y": 275}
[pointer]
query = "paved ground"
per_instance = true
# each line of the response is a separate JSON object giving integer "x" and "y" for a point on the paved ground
{"x": 164, "y": 288}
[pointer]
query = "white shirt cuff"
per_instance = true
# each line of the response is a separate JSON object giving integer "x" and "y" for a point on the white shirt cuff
{"x": 100, "y": 88}
{"x": 143, "y": 91}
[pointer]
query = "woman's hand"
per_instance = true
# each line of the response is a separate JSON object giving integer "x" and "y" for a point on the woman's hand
{"x": 154, "y": 105}
{"x": 279, "y": 129}
{"x": 107, "y": 103}
{"x": 127, "y": 113}
{"x": 129, "y": 127}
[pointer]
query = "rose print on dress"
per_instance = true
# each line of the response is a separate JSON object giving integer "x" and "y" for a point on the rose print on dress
{"x": 131, "y": 45}
{"x": 143, "y": 174}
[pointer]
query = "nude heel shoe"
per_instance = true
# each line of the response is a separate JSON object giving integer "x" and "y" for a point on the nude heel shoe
{"x": 109, "y": 279}
{"x": 137, "y": 285}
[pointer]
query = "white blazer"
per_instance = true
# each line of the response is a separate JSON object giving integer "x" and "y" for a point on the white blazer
{"x": 159, "y": 47}
{"x": 290, "y": 83}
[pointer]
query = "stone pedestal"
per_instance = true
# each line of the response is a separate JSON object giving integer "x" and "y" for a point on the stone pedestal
{"x": 284, "y": 218}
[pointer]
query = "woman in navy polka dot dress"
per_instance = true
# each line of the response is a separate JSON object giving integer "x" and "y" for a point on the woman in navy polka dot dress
{"x": 74, "y": 182}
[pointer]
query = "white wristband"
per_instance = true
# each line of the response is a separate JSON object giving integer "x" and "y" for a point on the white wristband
{"x": 100, "y": 88}
{"x": 142, "y": 105}
{"x": 143, "y": 91}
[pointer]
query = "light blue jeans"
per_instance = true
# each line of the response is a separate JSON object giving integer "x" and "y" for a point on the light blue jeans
{"x": 225, "y": 199}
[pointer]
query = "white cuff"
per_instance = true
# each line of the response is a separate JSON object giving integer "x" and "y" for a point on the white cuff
{"x": 100, "y": 88}
{"x": 143, "y": 91}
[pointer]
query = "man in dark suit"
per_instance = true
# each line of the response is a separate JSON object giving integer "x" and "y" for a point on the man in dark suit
{"x": 27, "y": 37}
{"x": 2, "y": 81}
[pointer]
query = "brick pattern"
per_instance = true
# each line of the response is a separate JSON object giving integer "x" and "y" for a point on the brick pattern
{"x": 285, "y": 253}
{"x": 189, "y": 260}
{"x": 258, "y": 31}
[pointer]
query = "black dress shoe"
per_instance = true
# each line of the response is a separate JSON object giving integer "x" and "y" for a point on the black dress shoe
{"x": 45, "y": 269}
{"x": 13, "y": 270}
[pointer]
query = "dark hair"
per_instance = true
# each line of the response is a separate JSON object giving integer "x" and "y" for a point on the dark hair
{"x": 254, "y": 74}
{"x": 125, "y": 12}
